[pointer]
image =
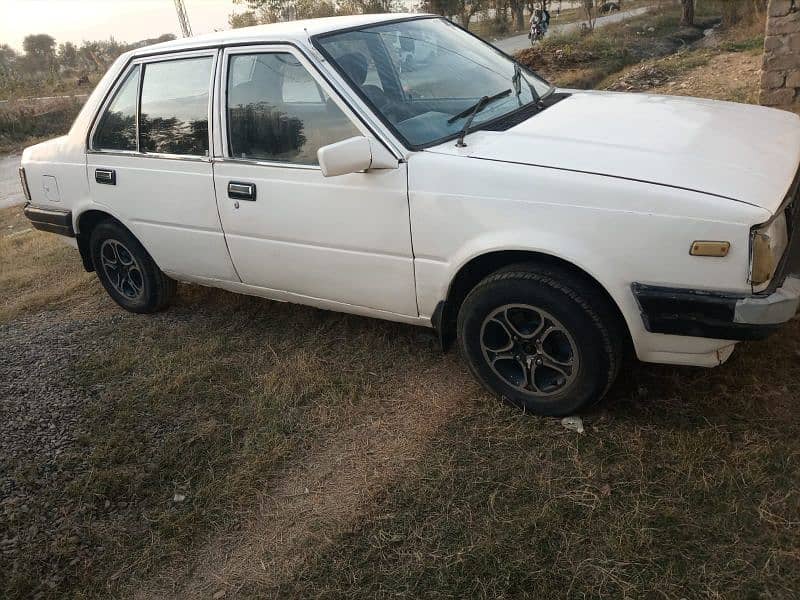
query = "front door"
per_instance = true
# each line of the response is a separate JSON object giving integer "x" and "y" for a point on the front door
{"x": 342, "y": 239}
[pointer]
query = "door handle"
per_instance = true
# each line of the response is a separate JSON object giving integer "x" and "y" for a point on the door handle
{"x": 242, "y": 191}
{"x": 105, "y": 176}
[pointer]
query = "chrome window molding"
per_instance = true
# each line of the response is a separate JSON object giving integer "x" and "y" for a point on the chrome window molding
{"x": 131, "y": 153}
{"x": 265, "y": 163}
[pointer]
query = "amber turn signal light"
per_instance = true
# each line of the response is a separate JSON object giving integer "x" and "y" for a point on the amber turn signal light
{"x": 717, "y": 249}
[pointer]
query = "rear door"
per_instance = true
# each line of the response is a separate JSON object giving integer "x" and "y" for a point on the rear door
{"x": 149, "y": 163}
{"x": 342, "y": 239}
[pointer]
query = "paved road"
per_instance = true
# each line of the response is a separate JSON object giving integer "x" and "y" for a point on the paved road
{"x": 520, "y": 42}
{"x": 10, "y": 190}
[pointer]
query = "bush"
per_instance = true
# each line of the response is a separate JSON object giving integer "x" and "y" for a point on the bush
{"x": 20, "y": 123}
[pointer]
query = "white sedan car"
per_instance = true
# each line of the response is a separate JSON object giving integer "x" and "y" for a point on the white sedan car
{"x": 398, "y": 167}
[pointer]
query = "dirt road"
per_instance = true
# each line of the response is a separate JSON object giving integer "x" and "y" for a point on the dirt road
{"x": 10, "y": 190}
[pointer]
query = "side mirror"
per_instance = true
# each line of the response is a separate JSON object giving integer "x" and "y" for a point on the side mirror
{"x": 348, "y": 156}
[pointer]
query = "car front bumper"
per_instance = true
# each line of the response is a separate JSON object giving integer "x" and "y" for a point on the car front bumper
{"x": 699, "y": 313}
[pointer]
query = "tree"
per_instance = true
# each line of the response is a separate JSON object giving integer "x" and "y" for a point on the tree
{"x": 245, "y": 19}
{"x": 8, "y": 59}
{"x": 67, "y": 55}
{"x": 687, "y": 15}
{"x": 39, "y": 51}
{"x": 518, "y": 10}
{"x": 271, "y": 11}
{"x": 591, "y": 15}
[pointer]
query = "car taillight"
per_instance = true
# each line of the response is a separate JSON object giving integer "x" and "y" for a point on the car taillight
{"x": 23, "y": 180}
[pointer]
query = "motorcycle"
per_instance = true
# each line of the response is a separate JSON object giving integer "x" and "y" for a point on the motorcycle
{"x": 536, "y": 33}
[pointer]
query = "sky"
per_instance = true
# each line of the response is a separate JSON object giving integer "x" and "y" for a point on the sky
{"x": 125, "y": 20}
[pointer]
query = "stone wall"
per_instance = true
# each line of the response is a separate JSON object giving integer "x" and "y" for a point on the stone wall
{"x": 780, "y": 78}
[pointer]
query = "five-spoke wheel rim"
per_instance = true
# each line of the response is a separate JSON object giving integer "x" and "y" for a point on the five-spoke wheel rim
{"x": 529, "y": 349}
{"x": 122, "y": 270}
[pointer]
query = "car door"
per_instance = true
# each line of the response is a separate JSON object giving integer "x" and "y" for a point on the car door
{"x": 341, "y": 239}
{"x": 149, "y": 163}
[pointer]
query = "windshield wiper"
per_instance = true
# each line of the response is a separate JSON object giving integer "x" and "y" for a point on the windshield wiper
{"x": 472, "y": 111}
{"x": 516, "y": 80}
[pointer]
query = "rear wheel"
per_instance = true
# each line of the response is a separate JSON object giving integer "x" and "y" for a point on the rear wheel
{"x": 542, "y": 339}
{"x": 126, "y": 270}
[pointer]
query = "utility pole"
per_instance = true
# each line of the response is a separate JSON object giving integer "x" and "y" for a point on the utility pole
{"x": 183, "y": 17}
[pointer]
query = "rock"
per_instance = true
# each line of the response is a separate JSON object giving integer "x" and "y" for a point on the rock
{"x": 574, "y": 423}
{"x": 773, "y": 79}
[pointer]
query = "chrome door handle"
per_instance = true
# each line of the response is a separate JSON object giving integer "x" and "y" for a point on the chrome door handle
{"x": 105, "y": 176}
{"x": 241, "y": 191}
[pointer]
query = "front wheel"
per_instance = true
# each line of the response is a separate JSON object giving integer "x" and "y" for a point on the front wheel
{"x": 542, "y": 339}
{"x": 126, "y": 270}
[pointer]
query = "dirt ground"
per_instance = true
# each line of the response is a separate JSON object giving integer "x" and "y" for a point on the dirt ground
{"x": 730, "y": 76}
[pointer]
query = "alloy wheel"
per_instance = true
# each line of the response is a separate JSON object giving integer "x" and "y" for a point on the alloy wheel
{"x": 529, "y": 349}
{"x": 122, "y": 269}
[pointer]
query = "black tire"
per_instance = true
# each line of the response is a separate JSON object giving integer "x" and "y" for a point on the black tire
{"x": 136, "y": 283}
{"x": 568, "y": 365}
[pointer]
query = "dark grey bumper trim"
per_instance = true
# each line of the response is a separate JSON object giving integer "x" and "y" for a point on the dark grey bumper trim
{"x": 50, "y": 219}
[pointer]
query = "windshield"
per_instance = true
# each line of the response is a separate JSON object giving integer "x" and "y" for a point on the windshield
{"x": 420, "y": 74}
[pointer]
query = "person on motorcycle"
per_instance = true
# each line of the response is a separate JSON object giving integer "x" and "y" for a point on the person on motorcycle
{"x": 540, "y": 20}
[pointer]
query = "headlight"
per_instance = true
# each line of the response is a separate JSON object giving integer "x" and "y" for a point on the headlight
{"x": 767, "y": 245}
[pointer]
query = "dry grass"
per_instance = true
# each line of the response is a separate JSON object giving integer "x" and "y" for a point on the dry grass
{"x": 36, "y": 271}
{"x": 329, "y": 456}
{"x": 583, "y": 61}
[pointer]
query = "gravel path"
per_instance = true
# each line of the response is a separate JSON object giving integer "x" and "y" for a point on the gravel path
{"x": 41, "y": 419}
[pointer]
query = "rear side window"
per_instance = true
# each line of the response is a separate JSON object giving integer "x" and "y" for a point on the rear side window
{"x": 278, "y": 112}
{"x": 173, "y": 117}
{"x": 117, "y": 127}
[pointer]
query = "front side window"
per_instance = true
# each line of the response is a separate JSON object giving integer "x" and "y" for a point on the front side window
{"x": 117, "y": 127}
{"x": 174, "y": 107}
{"x": 421, "y": 74}
{"x": 278, "y": 112}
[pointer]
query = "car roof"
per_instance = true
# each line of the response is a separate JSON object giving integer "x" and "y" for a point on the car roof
{"x": 289, "y": 31}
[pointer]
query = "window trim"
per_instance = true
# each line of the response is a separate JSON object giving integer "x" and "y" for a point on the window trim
{"x": 142, "y": 62}
{"x": 309, "y": 66}
{"x": 109, "y": 99}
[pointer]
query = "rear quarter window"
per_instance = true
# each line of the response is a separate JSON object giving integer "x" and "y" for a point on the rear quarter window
{"x": 117, "y": 127}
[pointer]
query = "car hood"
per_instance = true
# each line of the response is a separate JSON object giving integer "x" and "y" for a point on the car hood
{"x": 738, "y": 151}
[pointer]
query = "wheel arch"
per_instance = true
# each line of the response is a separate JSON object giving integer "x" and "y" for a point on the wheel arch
{"x": 84, "y": 224}
{"x": 480, "y": 266}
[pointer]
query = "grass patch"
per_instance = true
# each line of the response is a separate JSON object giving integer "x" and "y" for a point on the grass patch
{"x": 206, "y": 401}
{"x": 685, "y": 485}
{"x": 37, "y": 270}
{"x": 751, "y": 44}
{"x": 584, "y": 61}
